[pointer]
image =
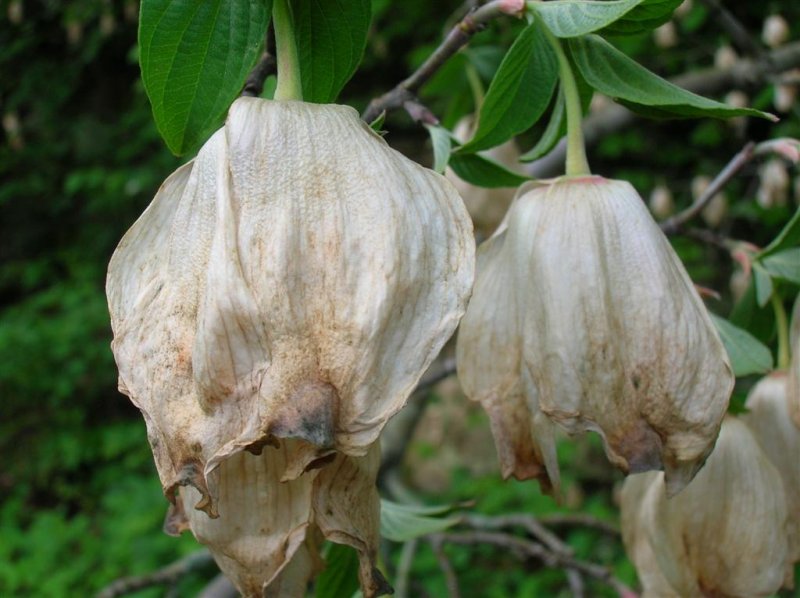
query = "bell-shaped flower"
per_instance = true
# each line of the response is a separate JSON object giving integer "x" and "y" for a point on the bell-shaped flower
{"x": 769, "y": 420}
{"x": 287, "y": 288}
{"x": 583, "y": 315}
{"x": 724, "y": 535}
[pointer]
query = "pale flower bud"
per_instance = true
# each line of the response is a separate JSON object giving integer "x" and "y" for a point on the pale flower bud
{"x": 661, "y": 202}
{"x": 739, "y": 283}
{"x": 716, "y": 209}
{"x": 737, "y": 99}
{"x": 725, "y": 57}
{"x": 775, "y": 31}
{"x": 785, "y": 97}
{"x": 684, "y": 8}
{"x": 486, "y": 206}
{"x": 725, "y": 534}
{"x": 666, "y": 35}
{"x": 284, "y": 292}
{"x": 583, "y": 315}
{"x": 773, "y": 187}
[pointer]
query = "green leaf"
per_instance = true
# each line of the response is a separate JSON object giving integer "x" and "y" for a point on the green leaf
{"x": 747, "y": 354}
{"x": 788, "y": 237}
{"x": 195, "y": 58}
{"x": 763, "y": 283}
{"x": 784, "y": 264}
{"x": 571, "y": 18}
{"x": 645, "y": 17}
{"x": 440, "y": 139}
{"x": 747, "y": 314}
{"x": 377, "y": 124}
{"x": 519, "y": 93}
{"x": 340, "y": 576}
{"x": 611, "y": 72}
{"x": 400, "y": 523}
{"x": 483, "y": 172}
{"x": 555, "y": 130}
{"x": 331, "y": 36}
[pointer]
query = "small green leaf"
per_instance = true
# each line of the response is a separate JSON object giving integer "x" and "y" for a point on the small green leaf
{"x": 340, "y": 576}
{"x": 400, "y": 523}
{"x": 331, "y": 36}
{"x": 571, "y": 18}
{"x": 611, "y": 72}
{"x": 377, "y": 124}
{"x": 645, "y": 17}
{"x": 195, "y": 58}
{"x": 747, "y": 354}
{"x": 763, "y": 284}
{"x": 483, "y": 172}
{"x": 440, "y": 139}
{"x": 788, "y": 237}
{"x": 784, "y": 264}
{"x": 519, "y": 92}
{"x": 555, "y": 130}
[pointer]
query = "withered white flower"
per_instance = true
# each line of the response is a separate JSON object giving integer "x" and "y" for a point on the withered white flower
{"x": 583, "y": 315}
{"x": 768, "y": 418}
{"x": 793, "y": 389}
{"x": 288, "y": 287}
{"x": 724, "y": 535}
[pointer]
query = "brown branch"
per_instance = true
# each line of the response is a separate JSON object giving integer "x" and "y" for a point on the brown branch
{"x": 675, "y": 223}
{"x": 255, "y": 80}
{"x": 745, "y": 73}
{"x": 579, "y": 520}
{"x": 527, "y": 548}
{"x": 739, "y": 34}
{"x": 446, "y": 566}
{"x": 459, "y": 35}
{"x": 169, "y": 575}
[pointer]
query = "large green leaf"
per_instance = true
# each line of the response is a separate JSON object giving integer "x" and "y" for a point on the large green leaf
{"x": 401, "y": 523}
{"x": 339, "y": 579}
{"x": 519, "y": 93}
{"x": 571, "y": 18}
{"x": 644, "y": 17}
{"x": 784, "y": 264}
{"x": 555, "y": 130}
{"x": 331, "y": 37}
{"x": 483, "y": 172}
{"x": 788, "y": 237}
{"x": 195, "y": 57}
{"x": 747, "y": 354}
{"x": 611, "y": 72}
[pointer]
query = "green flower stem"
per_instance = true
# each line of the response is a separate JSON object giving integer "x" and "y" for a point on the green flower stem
{"x": 577, "y": 165}
{"x": 782, "y": 325}
{"x": 289, "y": 86}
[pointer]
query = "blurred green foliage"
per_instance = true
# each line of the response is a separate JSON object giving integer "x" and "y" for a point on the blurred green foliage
{"x": 80, "y": 158}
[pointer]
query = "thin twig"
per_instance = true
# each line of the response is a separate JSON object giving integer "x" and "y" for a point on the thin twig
{"x": 739, "y": 34}
{"x": 404, "y": 568}
{"x": 255, "y": 81}
{"x": 579, "y": 520}
{"x": 538, "y": 551}
{"x": 675, "y": 223}
{"x": 165, "y": 576}
{"x": 451, "y": 580}
{"x": 459, "y": 35}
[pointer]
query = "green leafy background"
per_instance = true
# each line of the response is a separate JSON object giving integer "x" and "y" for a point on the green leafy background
{"x": 80, "y": 158}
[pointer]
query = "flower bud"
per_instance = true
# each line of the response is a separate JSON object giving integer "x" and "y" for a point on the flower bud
{"x": 773, "y": 187}
{"x": 486, "y": 206}
{"x": 725, "y": 57}
{"x": 583, "y": 315}
{"x": 724, "y": 535}
{"x": 666, "y": 35}
{"x": 661, "y": 202}
{"x": 785, "y": 97}
{"x": 285, "y": 291}
{"x": 715, "y": 210}
{"x": 775, "y": 31}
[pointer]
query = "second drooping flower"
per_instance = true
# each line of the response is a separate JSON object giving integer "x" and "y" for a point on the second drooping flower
{"x": 583, "y": 316}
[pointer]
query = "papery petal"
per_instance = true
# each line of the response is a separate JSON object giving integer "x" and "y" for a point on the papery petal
{"x": 768, "y": 419}
{"x": 723, "y": 535}
{"x": 295, "y": 281}
{"x": 587, "y": 298}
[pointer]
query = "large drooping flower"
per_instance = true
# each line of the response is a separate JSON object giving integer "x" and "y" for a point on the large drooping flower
{"x": 583, "y": 315}
{"x": 284, "y": 292}
{"x": 725, "y": 534}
